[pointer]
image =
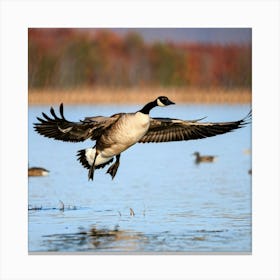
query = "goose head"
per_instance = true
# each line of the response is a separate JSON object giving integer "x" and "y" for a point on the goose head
{"x": 163, "y": 101}
{"x": 160, "y": 101}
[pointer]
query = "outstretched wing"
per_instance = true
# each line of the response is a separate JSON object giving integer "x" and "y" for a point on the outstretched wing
{"x": 165, "y": 129}
{"x": 61, "y": 129}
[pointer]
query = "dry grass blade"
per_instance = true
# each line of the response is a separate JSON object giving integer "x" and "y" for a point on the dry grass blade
{"x": 131, "y": 212}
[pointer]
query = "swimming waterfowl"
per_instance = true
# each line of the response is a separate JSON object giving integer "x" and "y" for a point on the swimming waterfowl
{"x": 37, "y": 171}
{"x": 199, "y": 158}
{"x": 115, "y": 134}
{"x": 247, "y": 151}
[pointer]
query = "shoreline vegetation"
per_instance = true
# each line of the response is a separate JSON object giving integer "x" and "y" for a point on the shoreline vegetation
{"x": 102, "y": 95}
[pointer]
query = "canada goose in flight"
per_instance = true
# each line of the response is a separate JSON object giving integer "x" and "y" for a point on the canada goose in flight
{"x": 199, "y": 158}
{"x": 37, "y": 171}
{"x": 115, "y": 134}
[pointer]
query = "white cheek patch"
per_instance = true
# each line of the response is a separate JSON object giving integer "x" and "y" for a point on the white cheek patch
{"x": 159, "y": 103}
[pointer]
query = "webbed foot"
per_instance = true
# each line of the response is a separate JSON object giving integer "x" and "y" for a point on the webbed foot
{"x": 112, "y": 170}
{"x": 91, "y": 172}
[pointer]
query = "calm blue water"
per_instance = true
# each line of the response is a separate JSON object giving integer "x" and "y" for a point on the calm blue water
{"x": 178, "y": 206}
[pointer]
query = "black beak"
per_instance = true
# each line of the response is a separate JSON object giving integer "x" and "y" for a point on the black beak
{"x": 170, "y": 102}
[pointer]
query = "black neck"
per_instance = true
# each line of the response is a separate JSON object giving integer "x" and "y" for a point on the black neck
{"x": 147, "y": 108}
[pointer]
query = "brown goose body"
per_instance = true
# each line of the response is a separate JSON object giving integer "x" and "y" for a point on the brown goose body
{"x": 37, "y": 171}
{"x": 115, "y": 134}
{"x": 199, "y": 158}
{"x": 125, "y": 132}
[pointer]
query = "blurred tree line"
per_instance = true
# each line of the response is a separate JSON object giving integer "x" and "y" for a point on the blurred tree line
{"x": 64, "y": 58}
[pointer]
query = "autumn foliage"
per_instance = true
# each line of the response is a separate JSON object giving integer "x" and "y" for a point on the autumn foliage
{"x": 69, "y": 58}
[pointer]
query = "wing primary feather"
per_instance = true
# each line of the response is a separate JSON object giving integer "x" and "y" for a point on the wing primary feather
{"x": 61, "y": 111}
{"x": 53, "y": 113}
{"x": 40, "y": 120}
{"x": 47, "y": 117}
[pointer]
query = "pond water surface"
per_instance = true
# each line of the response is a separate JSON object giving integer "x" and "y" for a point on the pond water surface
{"x": 160, "y": 200}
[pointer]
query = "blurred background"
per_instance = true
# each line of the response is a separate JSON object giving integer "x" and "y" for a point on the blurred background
{"x": 131, "y": 65}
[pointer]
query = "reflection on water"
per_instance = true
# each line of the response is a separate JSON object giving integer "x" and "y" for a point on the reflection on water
{"x": 160, "y": 201}
{"x": 95, "y": 240}
{"x": 116, "y": 240}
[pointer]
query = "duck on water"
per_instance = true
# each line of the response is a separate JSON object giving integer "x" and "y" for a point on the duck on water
{"x": 37, "y": 171}
{"x": 199, "y": 158}
{"x": 115, "y": 134}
